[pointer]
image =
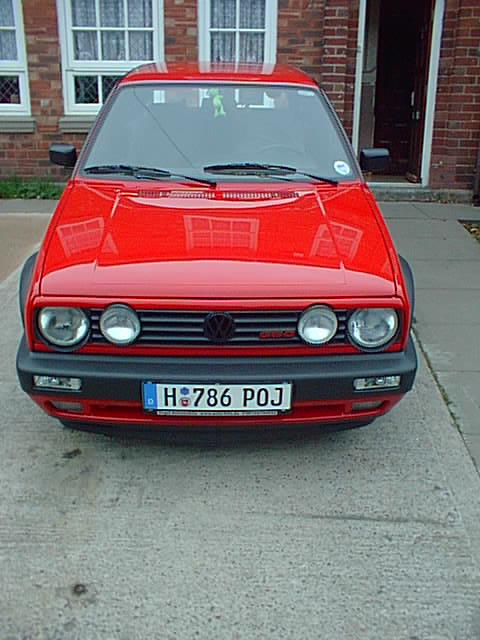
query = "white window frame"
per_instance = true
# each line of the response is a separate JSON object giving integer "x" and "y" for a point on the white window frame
{"x": 211, "y": 237}
{"x": 17, "y": 67}
{"x": 204, "y": 30}
{"x": 72, "y": 67}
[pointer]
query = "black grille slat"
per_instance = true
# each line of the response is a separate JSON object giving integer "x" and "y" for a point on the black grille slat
{"x": 177, "y": 340}
{"x": 147, "y": 318}
{"x": 178, "y": 328}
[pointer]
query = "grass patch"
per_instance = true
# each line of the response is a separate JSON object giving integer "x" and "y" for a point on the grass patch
{"x": 36, "y": 188}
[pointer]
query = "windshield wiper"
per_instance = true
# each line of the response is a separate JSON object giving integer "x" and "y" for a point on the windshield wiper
{"x": 143, "y": 173}
{"x": 281, "y": 170}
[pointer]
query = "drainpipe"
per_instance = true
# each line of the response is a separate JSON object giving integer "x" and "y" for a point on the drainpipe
{"x": 476, "y": 181}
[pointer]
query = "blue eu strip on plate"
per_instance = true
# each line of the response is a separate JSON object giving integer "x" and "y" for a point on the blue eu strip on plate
{"x": 149, "y": 396}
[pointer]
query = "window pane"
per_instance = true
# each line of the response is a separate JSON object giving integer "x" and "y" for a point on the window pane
{"x": 111, "y": 13}
{"x": 85, "y": 45}
{"x": 108, "y": 82}
{"x": 140, "y": 45}
{"x": 113, "y": 45}
{"x": 251, "y": 47}
{"x": 9, "y": 90}
{"x": 8, "y": 46}
{"x": 86, "y": 89}
{"x": 222, "y": 14}
{"x": 139, "y": 13}
{"x": 83, "y": 13}
{"x": 222, "y": 47}
{"x": 252, "y": 14}
{"x": 6, "y": 14}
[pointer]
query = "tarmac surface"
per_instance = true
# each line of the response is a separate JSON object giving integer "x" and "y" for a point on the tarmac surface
{"x": 366, "y": 534}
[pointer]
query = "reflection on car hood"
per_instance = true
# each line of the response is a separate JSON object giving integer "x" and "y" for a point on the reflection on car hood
{"x": 239, "y": 241}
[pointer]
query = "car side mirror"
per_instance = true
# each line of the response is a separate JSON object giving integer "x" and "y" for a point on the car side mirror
{"x": 374, "y": 160}
{"x": 63, "y": 154}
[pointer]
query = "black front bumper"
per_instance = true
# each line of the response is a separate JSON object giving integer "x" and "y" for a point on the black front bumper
{"x": 119, "y": 378}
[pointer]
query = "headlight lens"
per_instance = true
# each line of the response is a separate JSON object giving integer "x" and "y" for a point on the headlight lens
{"x": 317, "y": 325}
{"x": 372, "y": 328}
{"x": 63, "y": 326}
{"x": 120, "y": 324}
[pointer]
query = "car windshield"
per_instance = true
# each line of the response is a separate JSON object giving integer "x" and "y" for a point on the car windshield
{"x": 236, "y": 130}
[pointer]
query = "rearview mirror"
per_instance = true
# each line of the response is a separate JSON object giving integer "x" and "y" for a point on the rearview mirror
{"x": 374, "y": 160}
{"x": 63, "y": 154}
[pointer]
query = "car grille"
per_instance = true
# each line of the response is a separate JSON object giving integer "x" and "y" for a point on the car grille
{"x": 186, "y": 328}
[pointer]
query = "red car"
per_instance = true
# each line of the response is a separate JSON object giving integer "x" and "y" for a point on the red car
{"x": 216, "y": 259}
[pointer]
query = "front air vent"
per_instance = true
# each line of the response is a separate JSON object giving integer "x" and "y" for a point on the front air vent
{"x": 220, "y": 195}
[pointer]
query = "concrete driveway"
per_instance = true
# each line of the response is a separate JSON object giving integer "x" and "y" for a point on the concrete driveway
{"x": 367, "y": 534}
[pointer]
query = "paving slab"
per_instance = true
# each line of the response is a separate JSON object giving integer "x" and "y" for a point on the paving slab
{"x": 451, "y": 347}
{"x": 462, "y": 391}
{"x": 449, "y": 274}
{"x": 437, "y": 211}
{"x": 19, "y": 235}
{"x": 27, "y": 206}
{"x": 439, "y": 249}
{"x": 446, "y": 264}
{"x": 472, "y": 442}
{"x": 401, "y": 210}
{"x": 438, "y": 229}
{"x": 456, "y": 307}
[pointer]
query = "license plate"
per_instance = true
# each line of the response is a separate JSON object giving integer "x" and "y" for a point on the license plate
{"x": 217, "y": 399}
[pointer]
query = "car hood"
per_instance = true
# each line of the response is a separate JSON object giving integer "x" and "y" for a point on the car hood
{"x": 238, "y": 241}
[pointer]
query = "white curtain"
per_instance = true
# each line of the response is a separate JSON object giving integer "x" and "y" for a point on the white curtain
{"x": 223, "y": 15}
{"x": 140, "y": 45}
{"x": 140, "y": 13}
{"x": 111, "y": 13}
{"x": 83, "y": 13}
{"x": 6, "y": 14}
{"x": 251, "y": 47}
{"x": 113, "y": 43}
{"x": 8, "y": 45}
{"x": 252, "y": 14}
{"x": 222, "y": 47}
{"x": 85, "y": 45}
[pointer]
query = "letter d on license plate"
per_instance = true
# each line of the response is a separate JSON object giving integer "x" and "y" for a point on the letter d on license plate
{"x": 234, "y": 399}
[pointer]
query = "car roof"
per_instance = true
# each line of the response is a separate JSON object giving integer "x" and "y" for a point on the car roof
{"x": 218, "y": 72}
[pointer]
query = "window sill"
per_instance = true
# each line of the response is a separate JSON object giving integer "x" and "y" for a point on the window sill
{"x": 16, "y": 124}
{"x": 76, "y": 124}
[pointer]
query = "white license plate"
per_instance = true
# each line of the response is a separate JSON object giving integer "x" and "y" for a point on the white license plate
{"x": 217, "y": 399}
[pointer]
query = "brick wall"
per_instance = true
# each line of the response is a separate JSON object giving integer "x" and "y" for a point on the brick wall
{"x": 319, "y": 36}
{"x": 181, "y": 34}
{"x": 456, "y": 136}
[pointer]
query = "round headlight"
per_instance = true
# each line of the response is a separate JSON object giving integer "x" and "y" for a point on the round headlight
{"x": 372, "y": 328}
{"x": 317, "y": 325}
{"x": 63, "y": 326}
{"x": 120, "y": 324}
